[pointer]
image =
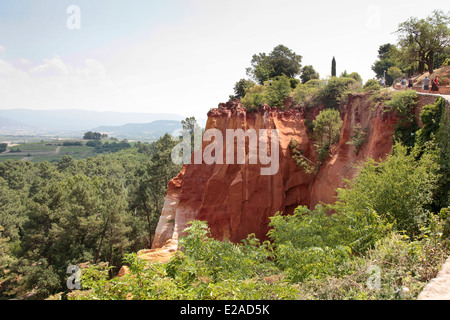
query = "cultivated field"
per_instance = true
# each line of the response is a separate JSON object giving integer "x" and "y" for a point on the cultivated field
{"x": 47, "y": 151}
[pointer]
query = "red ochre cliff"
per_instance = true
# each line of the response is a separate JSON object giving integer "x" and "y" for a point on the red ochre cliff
{"x": 237, "y": 200}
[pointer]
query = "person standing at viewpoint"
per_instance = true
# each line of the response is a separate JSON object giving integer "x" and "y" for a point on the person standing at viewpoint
{"x": 410, "y": 82}
{"x": 434, "y": 85}
{"x": 403, "y": 83}
{"x": 426, "y": 84}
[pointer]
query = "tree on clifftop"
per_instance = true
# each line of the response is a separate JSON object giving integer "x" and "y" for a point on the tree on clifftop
{"x": 386, "y": 60}
{"x": 281, "y": 61}
{"x": 333, "y": 67}
{"x": 308, "y": 73}
{"x": 241, "y": 87}
{"x": 420, "y": 39}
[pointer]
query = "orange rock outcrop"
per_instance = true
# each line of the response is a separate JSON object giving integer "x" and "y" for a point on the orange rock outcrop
{"x": 236, "y": 200}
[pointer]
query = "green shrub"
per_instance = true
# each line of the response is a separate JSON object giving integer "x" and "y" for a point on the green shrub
{"x": 143, "y": 282}
{"x": 300, "y": 159}
{"x": 223, "y": 259}
{"x": 327, "y": 131}
{"x": 401, "y": 267}
{"x": 316, "y": 83}
{"x": 372, "y": 85}
{"x": 359, "y": 137}
{"x": 306, "y": 95}
{"x": 93, "y": 143}
{"x": 330, "y": 95}
{"x": 444, "y": 214}
{"x": 312, "y": 243}
{"x": 352, "y": 88}
{"x": 72, "y": 143}
{"x": 253, "y": 98}
{"x": 430, "y": 116}
{"x": 398, "y": 189}
{"x": 403, "y": 104}
{"x": 274, "y": 92}
{"x": 277, "y": 91}
{"x": 294, "y": 83}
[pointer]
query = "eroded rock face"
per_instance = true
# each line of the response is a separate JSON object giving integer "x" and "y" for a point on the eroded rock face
{"x": 237, "y": 200}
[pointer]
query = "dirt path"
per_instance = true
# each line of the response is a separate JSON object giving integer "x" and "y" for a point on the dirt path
{"x": 445, "y": 96}
{"x": 58, "y": 149}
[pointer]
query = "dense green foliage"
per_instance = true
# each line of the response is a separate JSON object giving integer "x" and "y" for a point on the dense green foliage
{"x": 113, "y": 146}
{"x": 353, "y": 75}
{"x": 311, "y": 255}
{"x": 72, "y": 143}
{"x": 277, "y": 91}
{"x": 274, "y": 92}
{"x": 306, "y": 95}
{"x": 403, "y": 103}
{"x": 435, "y": 134}
{"x": 372, "y": 85}
{"x": 331, "y": 94}
{"x": 399, "y": 188}
{"x": 431, "y": 117}
{"x": 254, "y": 97}
{"x": 53, "y": 215}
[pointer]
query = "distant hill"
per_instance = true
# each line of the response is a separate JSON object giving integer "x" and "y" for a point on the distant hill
{"x": 76, "y": 121}
{"x": 13, "y": 127}
{"x": 141, "y": 131}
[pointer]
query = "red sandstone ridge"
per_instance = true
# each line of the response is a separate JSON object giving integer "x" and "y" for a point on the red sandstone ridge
{"x": 237, "y": 200}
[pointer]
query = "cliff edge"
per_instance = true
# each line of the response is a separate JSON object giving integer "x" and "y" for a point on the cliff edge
{"x": 237, "y": 200}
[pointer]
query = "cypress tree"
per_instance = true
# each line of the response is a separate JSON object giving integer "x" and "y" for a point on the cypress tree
{"x": 333, "y": 67}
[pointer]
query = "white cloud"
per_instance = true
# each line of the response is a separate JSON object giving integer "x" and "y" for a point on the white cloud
{"x": 2, "y": 49}
{"x": 54, "y": 66}
{"x": 24, "y": 61}
{"x": 55, "y": 84}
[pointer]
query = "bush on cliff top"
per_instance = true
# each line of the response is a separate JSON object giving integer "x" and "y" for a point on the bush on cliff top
{"x": 403, "y": 104}
{"x": 330, "y": 95}
{"x": 273, "y": 93}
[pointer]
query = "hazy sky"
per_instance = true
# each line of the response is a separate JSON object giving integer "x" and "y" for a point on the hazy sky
{"x": 178, "y": 56}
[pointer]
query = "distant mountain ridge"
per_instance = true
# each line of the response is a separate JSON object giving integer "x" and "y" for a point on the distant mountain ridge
{"x": 143, "y": 131}
{"x": 10, "y": 127}
{"x": 27, "y": 121}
